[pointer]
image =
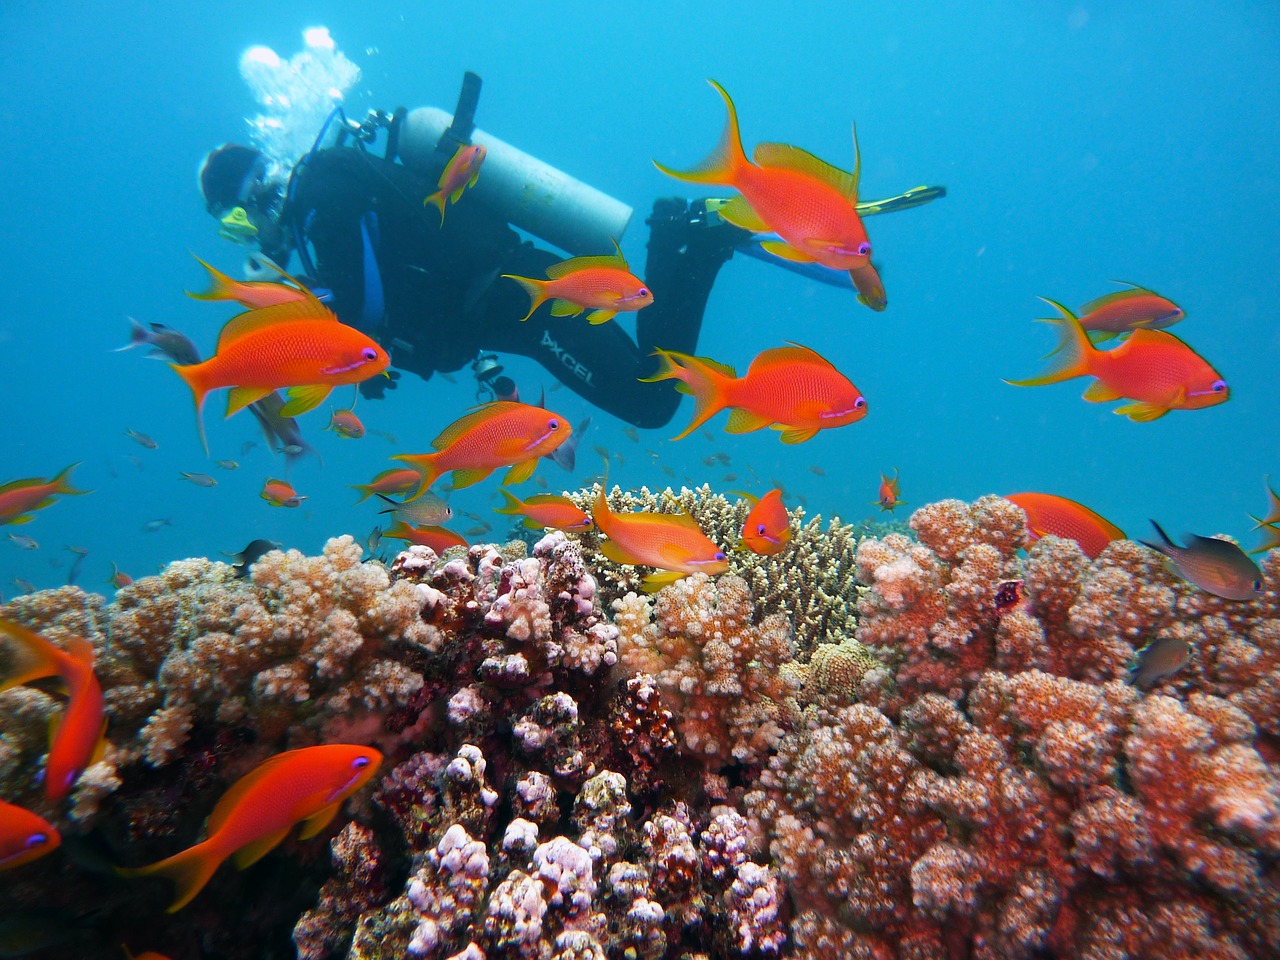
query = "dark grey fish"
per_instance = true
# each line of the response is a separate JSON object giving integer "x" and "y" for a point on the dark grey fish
{"x": 283, "y": 433}
{"x": 1215, "y": 566}
{"x": 427, "y": 510}
{"x": 1162, "y": 657}
{"x": 164, "y": 341}
{"x": 566, "y": 455}
{"x": 151, "y": 526}
{"x": 251, "y": 554}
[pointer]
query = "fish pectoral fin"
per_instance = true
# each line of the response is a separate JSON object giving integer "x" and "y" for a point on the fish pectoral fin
{"x": 251, "y": 853}
{"x": 600, "y": 316}
{"x": 741, "y": 214}
{"x": 796, "y": 434}
{"x": 615, "y": 552}
{"x": 319, "y": 820}
{"x": 467, "y": 476}
{"x": 520, "y": 472}
{"x": 1099, "y": 392}
{"x": 785, "y": 251}
{"x": 744, "y": 421}
{"x": 240, "y": 397}
{"x": 302, "y": 399}
{"x": 561, "y": 307}
{"x": 1141, "y": 412}
{"x": 656, "y": 581}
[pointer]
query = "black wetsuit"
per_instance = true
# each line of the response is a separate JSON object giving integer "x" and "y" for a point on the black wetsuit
{"x": 445, "y": 301}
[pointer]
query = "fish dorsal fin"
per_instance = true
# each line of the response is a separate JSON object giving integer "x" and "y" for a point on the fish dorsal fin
{"x": 751, "y": 498}
{"x": 464, "y": 423}
{"x": 615, "y": 260}
{"x": 716, "y": 365}
{"x": 21, "y": 484}
{"x": 791, "y": 353}
{"x": 683, "y": 518}
{"x": 231, "y": 799}
{"x": 783, "y": 156}
{"x": 253, "y": 320}
{"x": 1115, "y": 296}
{"x": 1149, "y": 337}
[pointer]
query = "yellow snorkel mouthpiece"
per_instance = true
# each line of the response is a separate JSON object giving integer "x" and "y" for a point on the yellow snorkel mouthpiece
{"x": 235, "y": 226}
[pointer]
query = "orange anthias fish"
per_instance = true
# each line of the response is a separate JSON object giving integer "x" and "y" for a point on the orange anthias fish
{"x": 810, "y": 204}
{"x": 80, "y": 730}
{"x": 301, "y": 345}
{"x": 346, "y": 424}
{"x": 672, "y": 542}
{"x": 280, "y": 493}
{"x": 437, "y": 538}
{"x": 1269, "y": 525}
{"x": 499, "y": 434}
{"x": 462, "y": 171}
{"x": 257, "y": 813}
{"x": 250, "y": 293}
{"x": 767, "y": 529}
{"x": 1051, "y": 516}
{"x": 546, "y": 510}
{"x": 394, "y": 480}
{"x": 791, "y": 388}
{"x": 24, "y": 836}
{"x": 889, "y": 491}
{"x": 1123, "y": 311}
{"x": 1153, "y": 368}
{"x": 603, "y": 285}
{"x": 19, "y": 498}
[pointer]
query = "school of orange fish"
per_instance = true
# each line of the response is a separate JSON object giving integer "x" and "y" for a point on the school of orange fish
{"x": 287, "y": 340}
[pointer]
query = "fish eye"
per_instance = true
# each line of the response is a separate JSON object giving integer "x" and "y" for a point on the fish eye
{"x": 864, "y": 249}
{"x": 642, "y": 292}
{"x": 360, "y": 762}
{"x": 1219, "y": 386}
{"x": 860, "y": 403}
{"x": 759, "y": 528}
{"x": 553, "y": 424}
{"x": 719, "y": 554}
{"x": 370, "y": 353}
{"x": 36, "y": 839}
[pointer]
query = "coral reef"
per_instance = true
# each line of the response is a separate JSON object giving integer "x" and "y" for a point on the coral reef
{"x": 858, "y": 749}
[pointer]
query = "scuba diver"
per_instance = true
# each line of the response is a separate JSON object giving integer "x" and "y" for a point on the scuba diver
{"x": 430, "y": 289}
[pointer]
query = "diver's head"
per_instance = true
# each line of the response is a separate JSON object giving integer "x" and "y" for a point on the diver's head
{"x": 233, "y": 182}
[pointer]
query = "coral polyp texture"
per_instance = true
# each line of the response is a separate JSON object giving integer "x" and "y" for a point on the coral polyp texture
{"x": 913, "y": 746}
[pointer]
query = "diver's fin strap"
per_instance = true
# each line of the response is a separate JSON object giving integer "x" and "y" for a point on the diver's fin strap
{"x": 393, "y": 134}
{"x": 464, "y": 116}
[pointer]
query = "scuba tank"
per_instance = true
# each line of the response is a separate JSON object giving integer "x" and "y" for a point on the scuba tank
{"x": 530, "y": 194}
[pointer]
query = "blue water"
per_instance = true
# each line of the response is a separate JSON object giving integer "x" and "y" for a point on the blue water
{"x": 1078, "y": 143}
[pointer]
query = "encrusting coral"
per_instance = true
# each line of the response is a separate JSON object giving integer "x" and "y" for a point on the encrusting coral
{"x": 939, "y": 758}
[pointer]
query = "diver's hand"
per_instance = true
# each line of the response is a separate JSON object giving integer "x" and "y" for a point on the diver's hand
{"x": 375, "y": 388}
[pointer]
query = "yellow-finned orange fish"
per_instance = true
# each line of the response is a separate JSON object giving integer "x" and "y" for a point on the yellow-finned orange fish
{"x": 260, "y": 809}
{"x": 504, "y": 433}
{"x": 603, "y": 285}
{"x": 250, "y": 293}
{"x": 1269, "y": 525}
{"x": 393, "y": 480}
{"x": 462, "y": 171}
{"x": 1122, "y": 311}
{"x": 346, "y": 424}
{"x": 791, "y": 389}
{"x": 24, "y": 836}
{"x": 1052, "y": 516}
{"x": 300, "y": 344}
{"x": 20, "y": 498}
{"x": 767, "y": 529}
{"x": 544, "y": 510}
{"x": 809, "y": 204}
{"x": 280, "y": 493}
{"x": 436, "y": 537}
{"x": 889, "y": 490}
{"x": 1153, "y": 368}
{"x": 672, "y": 542}
{"x": 80, "y": 731}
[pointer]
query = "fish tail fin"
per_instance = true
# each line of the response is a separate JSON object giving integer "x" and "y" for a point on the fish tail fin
{"x": 512, "y": 503}
{"x": 425, "y": 464}
{"x": 700, "y": 379}
{"x": 366, "y": 491}
{"x": 199, "y": 389}
{"x": 536, "y": 289}
{"x": 221, "y": 286}
{"x": 189, "y": 870}
{"x": 138, "y": 336}
{"x": 32, "y": 657}
{"x": 1072, "y": 356}
{"x": 725, "y": 162}
{"x": 436, "y": 200}
{"x": 1165, "y": 544}
{"x": 62, "y": 482}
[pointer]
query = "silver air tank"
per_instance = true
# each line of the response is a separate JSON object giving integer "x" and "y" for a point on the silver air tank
{"x": 531, "y": 195}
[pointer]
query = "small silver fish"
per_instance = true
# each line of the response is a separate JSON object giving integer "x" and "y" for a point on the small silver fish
{"x": 25, "y": 542}
{"x": 1162, "y": 657}
{"x": 229, "y": 464}
{"x": 1214, "y": 565}
{"x": 141, "y": 439}
{"x": 199, "y": 479}
{"x": 427, "y": 511}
